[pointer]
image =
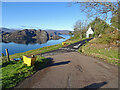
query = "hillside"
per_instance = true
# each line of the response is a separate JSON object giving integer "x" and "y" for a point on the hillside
{"x": 104, "y": 46}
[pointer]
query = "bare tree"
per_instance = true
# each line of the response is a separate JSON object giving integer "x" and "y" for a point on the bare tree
{"x": 99, "y": 9}
{"x": 79, "y": 27}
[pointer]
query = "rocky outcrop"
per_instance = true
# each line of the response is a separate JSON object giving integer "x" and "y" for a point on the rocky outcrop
{"x": 18, "y": 35}
{"x": 55, "y": 37}
{"x": 41, "y": 36}
{"x": 28, "y": 36}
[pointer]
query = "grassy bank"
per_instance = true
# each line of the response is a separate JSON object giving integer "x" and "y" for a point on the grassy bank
{"x": 36, "y": 51}
{"x": 74, "y": 40}
{"x": 105, "y": 47}
{"x": 15, "y": 71}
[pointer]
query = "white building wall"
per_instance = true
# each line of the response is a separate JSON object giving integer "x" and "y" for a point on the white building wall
{"x": 89, "y": 31}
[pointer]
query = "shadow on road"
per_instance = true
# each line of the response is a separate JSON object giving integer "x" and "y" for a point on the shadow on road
{"x": 48, "y": 63}
{"x": 94, "y": 86}
{"x": 60, "y": 63}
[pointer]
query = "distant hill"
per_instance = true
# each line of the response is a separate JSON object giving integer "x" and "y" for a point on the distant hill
{"x": 7, "y": 30}
{"x": 50, "y": 31}
{"x": 57, "y": 32}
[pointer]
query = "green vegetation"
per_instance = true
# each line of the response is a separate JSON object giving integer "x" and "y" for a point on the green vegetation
{"x": 70, "y": 33}
{"x": 109, "y": 54}
{"x": 98, "y": 26}
{"x": 74, "y": 40}
{"x": 80, "y": 29}
{"x": 115, "y": 21}
{"x": 15, "y": 71}
{"x": 36, "y": 51}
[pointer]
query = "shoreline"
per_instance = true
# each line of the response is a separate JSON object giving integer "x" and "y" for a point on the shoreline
{"x": 28, "y": 47}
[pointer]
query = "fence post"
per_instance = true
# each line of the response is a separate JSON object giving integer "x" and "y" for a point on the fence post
{"x": 7, "y": 54}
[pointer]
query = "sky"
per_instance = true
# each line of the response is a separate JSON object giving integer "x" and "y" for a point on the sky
{"x": 59, "y": 0}
{"x": 40, "y": 15}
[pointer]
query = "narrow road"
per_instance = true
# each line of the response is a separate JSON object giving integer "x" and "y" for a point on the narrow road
{"x": 73, "y": 70}
{"x": 70, "y": 48}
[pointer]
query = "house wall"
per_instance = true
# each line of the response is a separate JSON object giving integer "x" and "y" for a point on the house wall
{"x": 90, "y": 31}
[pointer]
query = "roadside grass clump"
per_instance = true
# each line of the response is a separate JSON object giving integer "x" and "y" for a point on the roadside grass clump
{"x": 86, "y": 41}
{"x": 71, "y": 40}
{"x": 76, "y": 37}
{"x": 15, "y": 71}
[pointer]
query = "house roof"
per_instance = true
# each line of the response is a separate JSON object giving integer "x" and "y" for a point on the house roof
{"x": 91, "y": 28}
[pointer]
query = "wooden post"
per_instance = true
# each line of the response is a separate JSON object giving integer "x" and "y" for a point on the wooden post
{"x": 7, "y": 54}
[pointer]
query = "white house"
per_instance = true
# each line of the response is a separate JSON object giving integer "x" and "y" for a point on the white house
{"x": 89, "y": 31}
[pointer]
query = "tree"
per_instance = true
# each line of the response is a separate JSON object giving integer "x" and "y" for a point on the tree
{"x": 70, "y": 33}
{"x": 98, "y": 25}
{"x": 99, "y": 9}
{"x": 79, "y": 27}
{"x": 115, "y": 21}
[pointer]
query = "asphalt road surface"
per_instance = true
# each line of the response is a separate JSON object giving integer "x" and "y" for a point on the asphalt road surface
{"x": 73, "y": 70}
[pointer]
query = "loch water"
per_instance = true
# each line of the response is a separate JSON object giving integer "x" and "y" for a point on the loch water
{"x": 18, "y": 48}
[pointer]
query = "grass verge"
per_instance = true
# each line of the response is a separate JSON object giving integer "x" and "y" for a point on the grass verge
{"x": 109, "y": 54}
{"x": 15, "y": 71}
{"x": 36, "y": 51}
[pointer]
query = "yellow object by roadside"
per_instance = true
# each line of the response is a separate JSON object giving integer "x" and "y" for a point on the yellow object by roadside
{"x": 63, "y": 43}
{"x": 29, "y": 61}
